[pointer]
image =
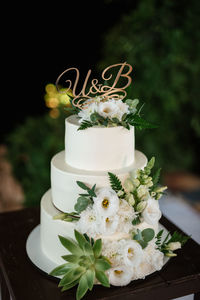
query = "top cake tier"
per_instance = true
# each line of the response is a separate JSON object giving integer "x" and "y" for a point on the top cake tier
{"x": 98, "y": 148}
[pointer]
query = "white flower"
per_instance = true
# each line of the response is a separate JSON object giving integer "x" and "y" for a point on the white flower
{"x": 123, "y": 108}
{"x": 154, "y": 257}
{"x": 128, "y": 185}
{"x": 90, "y": 108}
{"x": 110, "y": 249}
{"x": 108, "y": 109}
{"x": 88, "y": 222}
{"x": 151, "y": 213}
{"x": 120, "y": 276}
{"x": 106, "y": 203}
{"x": 109, "y": 224}
{"x": 174, "y": 246}
{"x": 132, "y": 253}
{"x": 143, "y": 192}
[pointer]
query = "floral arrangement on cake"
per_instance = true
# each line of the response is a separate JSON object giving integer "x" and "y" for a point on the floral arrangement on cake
{"x": 108, "y": 112}
{"x": 117, "y": 234}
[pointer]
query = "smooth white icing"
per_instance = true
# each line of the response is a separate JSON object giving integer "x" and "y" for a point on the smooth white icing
{"x": 65, "y": 190}
{"x": 50, "y": 229}
{"x": 98, "y": 148}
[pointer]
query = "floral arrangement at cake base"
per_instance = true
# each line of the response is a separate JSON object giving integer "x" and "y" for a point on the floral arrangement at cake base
{"x": 117, "y": 234}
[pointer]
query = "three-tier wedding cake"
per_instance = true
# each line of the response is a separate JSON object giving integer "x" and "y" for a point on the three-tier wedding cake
{"x": 100, "y": 219}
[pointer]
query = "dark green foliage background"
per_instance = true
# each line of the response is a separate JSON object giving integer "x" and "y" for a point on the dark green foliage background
{"x": 161, "y": 40}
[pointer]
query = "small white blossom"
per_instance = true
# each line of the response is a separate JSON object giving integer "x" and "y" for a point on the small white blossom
{"x": 106, "y": 203}
{"x": 107, "y": 109}
{"x": 88, "y": 222}
{"x": 109, "y": 225}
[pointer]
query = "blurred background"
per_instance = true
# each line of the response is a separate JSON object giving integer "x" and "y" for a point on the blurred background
{"x": 160, "y": 39}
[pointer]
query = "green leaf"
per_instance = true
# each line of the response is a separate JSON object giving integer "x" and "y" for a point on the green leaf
{"x": 83, "y": 186}
{"x": 69, "y": 286}
{"x": 138, "y": 122}
{"x": 70, "y": 245}
{"x": 143, "y": 244}
{"x": 71, "y": 276}
{"x": 82, "y": 287}
{"x": 115, "y": 182}
{"x": 156, "y": 176}
{"x": 102, "y": 278}
{"x": 61, "y": 270}
{"x": 86, "y": 124}
{"x": 82, "y": 204}
{"x": 151, "y": 163}
{"x": 178, "y": 237}
{"x": 136, "y": 221}
{"x": 88, "y": 248}
{"x": 80, "y": 239}
{"x": 90, "y": 275}
{"x": 102, "y": 265}
{"x": 138, "y": 235}
{"x": 148, "y": 234}
{"x": 71, "y": 258}
{"x": 97, "y": 248}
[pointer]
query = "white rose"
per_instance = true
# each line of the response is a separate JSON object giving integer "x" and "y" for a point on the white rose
{"x": 123, "y": 108}
{"x": 151, "y": 213}
{"x": 106, "y": 204}
{"x": 109, "y": 225}
{"x": 108, "y": 109}
{"x": 132, "y": 253}
{"x": 86, "y": 112}
{"x": 120, "y": 276}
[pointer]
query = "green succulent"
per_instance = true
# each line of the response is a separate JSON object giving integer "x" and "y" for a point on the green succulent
{"x": 84, "y": 265}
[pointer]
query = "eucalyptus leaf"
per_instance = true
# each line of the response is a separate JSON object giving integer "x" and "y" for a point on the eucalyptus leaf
{"x": 148, "y": 234}
{"x": 82, "y": 185}
{"x": 82, "y": 204}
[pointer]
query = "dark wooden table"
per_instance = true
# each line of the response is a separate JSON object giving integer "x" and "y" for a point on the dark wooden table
{"x": 23, "y": 281}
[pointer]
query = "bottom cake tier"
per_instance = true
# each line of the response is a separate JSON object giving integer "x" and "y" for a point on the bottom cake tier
{"x": 51, "y": 229}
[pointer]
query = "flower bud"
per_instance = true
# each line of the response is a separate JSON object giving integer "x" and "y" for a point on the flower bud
{"x": 160, "y": 189}
{"x": 120, "y": 193}
{"x": 128, "y": 185}
{"x": 174, "y": 246}
{"x": 130, "y": 199}
{"x": 170, "y": 254}
{"x": 141, "y": 206}
{"x": 136, "y": 182}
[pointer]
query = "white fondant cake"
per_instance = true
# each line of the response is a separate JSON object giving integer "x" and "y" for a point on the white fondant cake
{"x": 98, "y": 148}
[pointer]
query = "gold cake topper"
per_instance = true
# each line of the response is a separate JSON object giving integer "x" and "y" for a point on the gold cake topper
{"x": 105, "y": 91}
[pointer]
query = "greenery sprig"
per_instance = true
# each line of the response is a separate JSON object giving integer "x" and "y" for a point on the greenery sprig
{"x": 116, "y": 184}
{"x": 85, "y": 199}
{"x": 170, "y": 244}
{"x": 144, "y": 237}
{"x": 84, "y": 265}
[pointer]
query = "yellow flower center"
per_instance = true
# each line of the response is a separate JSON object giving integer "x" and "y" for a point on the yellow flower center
{"x": 118, "y": 272}
{"x": 130, "y": 252}
{"x": 105, "y": 203}
{"x": 107, "y": 220}
{"x": 106, "y": 110}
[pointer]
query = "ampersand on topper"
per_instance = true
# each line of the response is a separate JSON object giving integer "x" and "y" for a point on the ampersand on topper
{"x": 105, "y": 91}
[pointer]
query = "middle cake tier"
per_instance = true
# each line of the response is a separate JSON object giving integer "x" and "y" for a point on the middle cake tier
{"x": 65, "y": 190}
